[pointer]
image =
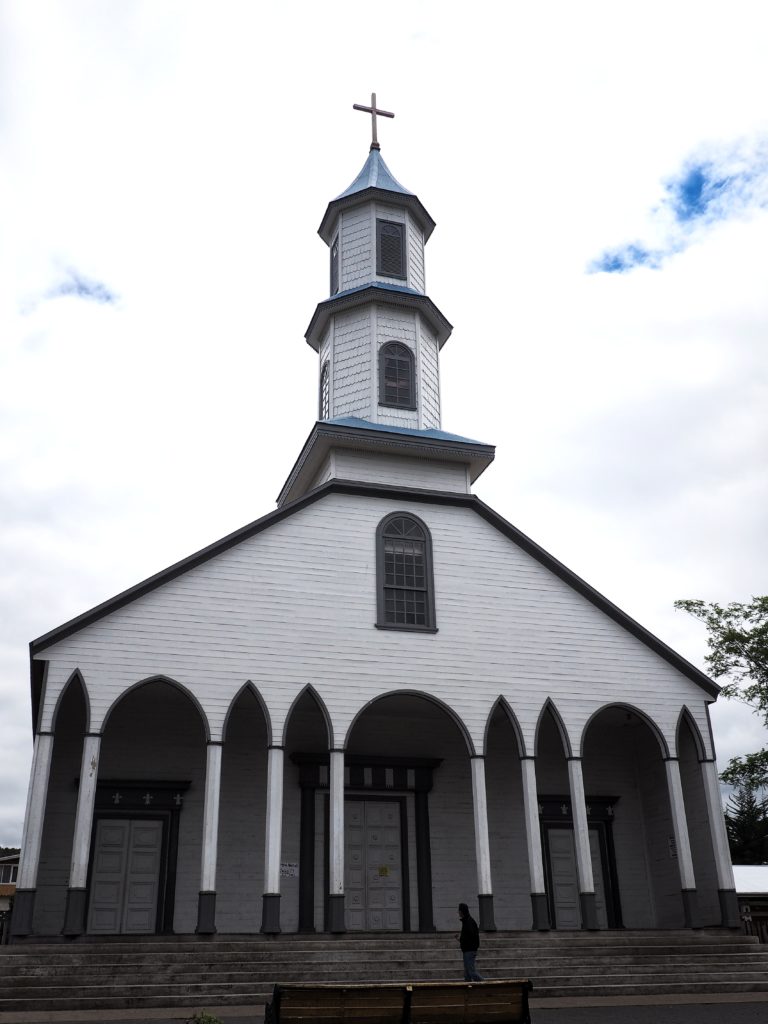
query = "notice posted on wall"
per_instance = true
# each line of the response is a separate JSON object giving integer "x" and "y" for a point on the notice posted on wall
{"x": 289, "y": 869}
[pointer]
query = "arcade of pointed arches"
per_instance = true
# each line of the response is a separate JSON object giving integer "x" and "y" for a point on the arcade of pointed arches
{"x": 563, "y": 804}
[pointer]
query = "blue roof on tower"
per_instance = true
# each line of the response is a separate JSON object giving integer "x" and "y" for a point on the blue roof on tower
{"x": 375, "y": 174}
{"x": 437, "y": 435}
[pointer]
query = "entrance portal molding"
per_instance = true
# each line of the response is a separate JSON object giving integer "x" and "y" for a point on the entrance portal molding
{"x": 361, "y": 773}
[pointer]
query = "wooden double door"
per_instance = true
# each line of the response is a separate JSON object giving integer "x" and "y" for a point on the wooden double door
{"x": 373, "y": 865}
{"x": 126, "y": 875}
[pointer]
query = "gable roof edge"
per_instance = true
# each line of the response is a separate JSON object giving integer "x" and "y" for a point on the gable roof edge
{"x": 384, "y": 491}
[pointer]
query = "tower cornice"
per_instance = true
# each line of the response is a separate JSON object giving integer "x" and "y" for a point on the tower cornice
{"x": 384, "y": 294}
{"x": 407, "y": 200}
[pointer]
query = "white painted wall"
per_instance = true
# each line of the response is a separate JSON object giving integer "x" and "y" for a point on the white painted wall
{"x": 397, "y": 470}
{"x": 297, "y": 604}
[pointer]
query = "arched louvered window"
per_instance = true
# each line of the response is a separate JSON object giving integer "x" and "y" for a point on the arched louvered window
{"x": 390, "y": 249}
{"x": 397, "y": 384}
{"x": 325, "y": 391}
{"x": 406, "y": 598}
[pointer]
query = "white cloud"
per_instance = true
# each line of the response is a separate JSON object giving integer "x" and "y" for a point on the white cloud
{"x": 184, "y": 156}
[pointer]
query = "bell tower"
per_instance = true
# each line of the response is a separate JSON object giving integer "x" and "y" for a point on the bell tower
{"x": 378, "y": 338}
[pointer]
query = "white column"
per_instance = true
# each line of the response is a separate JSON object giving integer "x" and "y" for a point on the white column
{"x": 716, "y": 816}
{"x": 211, "y": 818}
{"x": 680, "y": 824}
{"x": 580, "y": 826}
{"x": 35, "y": 814}
{"x": 86, "y": 798}
{"x": 482, "y": 844}
{"x": 336, "y": 838}
{"x": 532, "y": 826}
{"x": 274, "y": 824}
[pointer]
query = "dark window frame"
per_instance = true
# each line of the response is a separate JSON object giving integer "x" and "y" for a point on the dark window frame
{"x": 385, "y": 352}
{"x": 324, "y": 406}
{"x": 383, "y": 590}
{"x": 335, "y": 265}
{"x": 383, "y": 255}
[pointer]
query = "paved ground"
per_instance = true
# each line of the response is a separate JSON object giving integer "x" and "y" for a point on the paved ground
{"x": 745, "y": 1008}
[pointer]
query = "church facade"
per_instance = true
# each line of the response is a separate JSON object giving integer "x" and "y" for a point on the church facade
{"x": 375, "y": 701}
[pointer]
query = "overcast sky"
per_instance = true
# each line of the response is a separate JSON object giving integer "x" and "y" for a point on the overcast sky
{"x": 599, "y": 177}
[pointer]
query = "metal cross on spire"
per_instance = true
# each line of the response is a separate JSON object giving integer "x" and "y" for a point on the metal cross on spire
{"x": 373, "y": 110}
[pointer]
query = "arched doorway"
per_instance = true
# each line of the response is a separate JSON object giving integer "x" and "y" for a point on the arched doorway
{"x": 409, "y": 837}
{"x": 634, "y": 860}
{"x": 69, "y": 727}
{"x": 147, "y": 830}
{"x": 506, "y": 822}
{"x": 242, "y": 815}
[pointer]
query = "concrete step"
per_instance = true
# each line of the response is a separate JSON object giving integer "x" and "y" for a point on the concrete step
{"x": 240, "y": 970}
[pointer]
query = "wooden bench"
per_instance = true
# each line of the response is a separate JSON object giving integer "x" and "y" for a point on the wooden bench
{"x": 418, "y": 1002}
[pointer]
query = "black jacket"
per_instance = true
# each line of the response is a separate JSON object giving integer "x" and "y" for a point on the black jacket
{"x": 469, "y": 940}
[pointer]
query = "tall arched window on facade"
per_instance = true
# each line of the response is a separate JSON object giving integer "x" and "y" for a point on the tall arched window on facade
{"x": 397, "y": 384}
{"x": 325, "y": 392}
{"x": 406, "y": 594}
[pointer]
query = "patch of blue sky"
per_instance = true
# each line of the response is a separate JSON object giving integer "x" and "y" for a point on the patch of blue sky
{"x": 714, "y": 186}
{"x": 624, "y": 258}
{"x": 82, "y": 288}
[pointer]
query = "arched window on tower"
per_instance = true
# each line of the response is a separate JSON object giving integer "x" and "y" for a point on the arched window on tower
{"x": 325, "y": 392}
{"x": 397, "y": 384}
{"x": 406, "y": 593}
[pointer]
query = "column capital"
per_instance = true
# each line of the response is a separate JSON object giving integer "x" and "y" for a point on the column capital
{"x": 527, "y": 757}
{"x": 214, "y": 743}
{"x": 670, "y": 759}
{"x": 93, "y": 735}
{"x": 477, "y": 757}
{"x": 275, "y": 746}
{"x": 579, "y": 759}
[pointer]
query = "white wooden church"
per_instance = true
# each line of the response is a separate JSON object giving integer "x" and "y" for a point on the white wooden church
{"x": 375, "y": 701}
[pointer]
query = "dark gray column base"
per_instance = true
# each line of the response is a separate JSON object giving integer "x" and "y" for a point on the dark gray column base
{"x": 23, "y": 910}
{"x": 729, "y": 908}
{"x": 74, "y": 914}
{"x": 540, "y": 912}
{"x": 690, "y": 908}
{"x": 270, "y": 913}
{"x": 206, "y": 913}
{"x": 336, "y": 914}
{"x": 588, "y": 911}
{"x": 486, "y": 922}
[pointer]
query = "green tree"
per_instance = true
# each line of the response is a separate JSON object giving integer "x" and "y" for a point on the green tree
{"x": 737, "y": 637}
{"x": 746, "y": 819}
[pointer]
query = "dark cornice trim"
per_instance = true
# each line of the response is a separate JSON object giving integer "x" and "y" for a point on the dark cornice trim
{"x": 370, "y": 194}
{"x": 384, "y": 296}
{"x": 402, "y": 494}
{"x": 477, "y": 455}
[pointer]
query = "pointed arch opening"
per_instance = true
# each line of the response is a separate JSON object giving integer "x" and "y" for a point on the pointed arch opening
{"x": 70, "y": 723}
{"x": 551, "y": 727}
{"x": 686, "y": 719}
{"x": 242, "y": 813}
{"x": 77, "y": 682}
{"x": 152, "y": 682}
{"x": 308, "y": 716}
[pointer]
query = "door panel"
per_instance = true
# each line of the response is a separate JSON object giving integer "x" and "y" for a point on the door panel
{"x": 125, "y": 880}
{"x": 373, "y": 883}
{"x": 565, "y": 884}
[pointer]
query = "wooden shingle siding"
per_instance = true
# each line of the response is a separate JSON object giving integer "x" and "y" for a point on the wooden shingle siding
{"x": 351, "y": 364}
{"x": 357, "y": 248}
{"x": 297, "y": 603}
{"x": 429, "y": 378}
{"x": 399, "y": 471}
{"x": 415, "y": 255}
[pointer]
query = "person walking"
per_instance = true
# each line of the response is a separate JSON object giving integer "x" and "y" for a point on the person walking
{"x": 469, "y": 942}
